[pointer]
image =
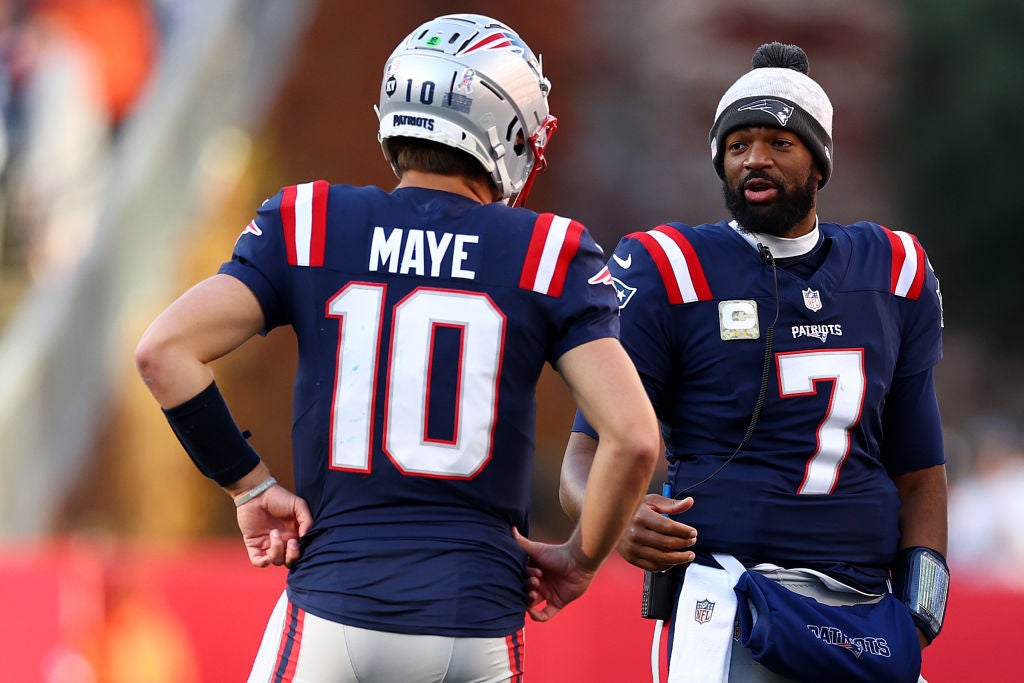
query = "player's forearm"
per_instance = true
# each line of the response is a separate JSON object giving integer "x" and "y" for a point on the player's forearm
{"x": 609, "y": 393}
{"x": 579, "y": 457}
{"x": 618, "y": 481}
{"x": 923, "y": 511}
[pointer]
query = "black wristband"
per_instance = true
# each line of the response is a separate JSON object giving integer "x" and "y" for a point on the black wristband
{"x": 207, "y": 432}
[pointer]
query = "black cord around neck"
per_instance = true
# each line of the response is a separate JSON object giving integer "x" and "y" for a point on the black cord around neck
{"x": 769, "y": 347}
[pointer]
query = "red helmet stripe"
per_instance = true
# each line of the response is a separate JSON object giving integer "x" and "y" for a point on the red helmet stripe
{"x": 488, "y": 42}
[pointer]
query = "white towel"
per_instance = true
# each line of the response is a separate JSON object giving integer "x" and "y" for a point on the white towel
{"x": 704, "y": 623}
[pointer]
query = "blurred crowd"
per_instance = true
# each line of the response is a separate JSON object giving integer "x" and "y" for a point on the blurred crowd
{"x": 70, "y": 73}
{"x": 986, "y": 505}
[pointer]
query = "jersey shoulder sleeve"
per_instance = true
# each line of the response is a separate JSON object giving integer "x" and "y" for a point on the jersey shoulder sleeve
{"x": 302, "y": 214}
{"x": 564, "y": 265}
{"x": 555, "y": 241}
{"x": 290, "y": 230}
{"x": 295, "y": 219}
{"x": 895, "y": 255}
{"x": 664, "y": 256}
{"x": 907, "y": 264}
{"x": 902, "y": 268}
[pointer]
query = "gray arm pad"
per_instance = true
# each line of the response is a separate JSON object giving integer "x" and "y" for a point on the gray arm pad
{"x": 921, "y": 581}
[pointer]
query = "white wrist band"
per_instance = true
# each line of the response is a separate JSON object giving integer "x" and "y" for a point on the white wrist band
{"x": 254, "y": 491}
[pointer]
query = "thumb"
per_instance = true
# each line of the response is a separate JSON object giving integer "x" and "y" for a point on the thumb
{"x": 524, "y": 543}
{"x": 672, "y": 506}
{"x": 303, "y": 516}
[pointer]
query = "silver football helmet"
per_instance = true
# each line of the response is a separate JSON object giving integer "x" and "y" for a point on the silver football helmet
{"x": 470, "y": 82}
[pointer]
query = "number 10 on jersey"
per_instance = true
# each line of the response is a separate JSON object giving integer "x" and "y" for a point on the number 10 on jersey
{"x": 406, "y": 348}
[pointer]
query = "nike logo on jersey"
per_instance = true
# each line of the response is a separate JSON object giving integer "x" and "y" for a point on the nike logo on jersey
{"x": 421, "y": 252}
{"x": 624, "y": 263}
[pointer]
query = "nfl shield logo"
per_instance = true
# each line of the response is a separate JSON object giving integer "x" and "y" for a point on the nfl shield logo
{"x": 702, "y": 612}
{"x": 812, "y": 299}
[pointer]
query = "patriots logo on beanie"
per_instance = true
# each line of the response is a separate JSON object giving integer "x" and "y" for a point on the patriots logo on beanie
{"x": 780, "y": 110}
{"x": 778, "y": 86}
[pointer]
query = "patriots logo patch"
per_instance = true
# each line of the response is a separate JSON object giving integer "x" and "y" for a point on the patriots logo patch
{"x": 623, "y": 291}
{"x": 778, "y": 109}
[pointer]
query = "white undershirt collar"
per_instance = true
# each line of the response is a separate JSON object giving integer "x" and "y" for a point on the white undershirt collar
{"x": 781, "y": 247}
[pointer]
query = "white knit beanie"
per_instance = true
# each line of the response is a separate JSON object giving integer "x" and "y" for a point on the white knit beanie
{"x": 777, "y": 92}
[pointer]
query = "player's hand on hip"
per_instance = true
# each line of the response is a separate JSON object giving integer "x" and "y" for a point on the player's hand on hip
{"x": 554, "y": 577}
{"x": 271, "y": 526}
{"x": 655, "y": 542}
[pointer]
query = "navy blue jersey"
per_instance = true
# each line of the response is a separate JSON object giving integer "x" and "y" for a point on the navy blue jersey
{"x": 813, "y": 488}
{"x": 423, "y": 321}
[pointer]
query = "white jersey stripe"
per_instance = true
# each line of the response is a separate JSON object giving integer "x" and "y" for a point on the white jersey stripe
{"x": 303, "y": 222}
{"x": 908, "y": 271}
{"x": 680, "y": 270}
{"x": 549, "y": 257}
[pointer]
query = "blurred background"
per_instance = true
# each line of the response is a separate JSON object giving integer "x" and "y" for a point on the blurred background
{"x": 138, "y": 137}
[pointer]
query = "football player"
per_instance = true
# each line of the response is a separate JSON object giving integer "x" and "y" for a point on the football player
{"x": 790, "y": 364}
{"x": 424, "y": 316}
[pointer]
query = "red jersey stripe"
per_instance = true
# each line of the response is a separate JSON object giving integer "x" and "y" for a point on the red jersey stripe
{"x": 535, "y": 251}
{"x": 287, "y": 210}
{"x": 661, "y": 261}
{"x": 899, "y": 254}
{"x": 700, "y": 282}
{"x": 553, "y": 245}
{"x": 570, "y": 245}
{"x": 906, "y": 276}
{"x": 677, "y": 262}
